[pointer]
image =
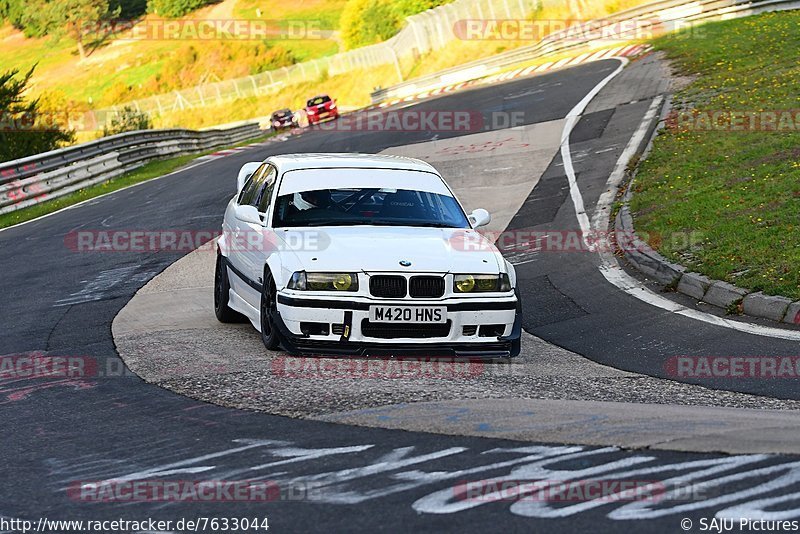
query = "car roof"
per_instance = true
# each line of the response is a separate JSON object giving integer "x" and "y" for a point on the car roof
{"x": 292, "y": 162}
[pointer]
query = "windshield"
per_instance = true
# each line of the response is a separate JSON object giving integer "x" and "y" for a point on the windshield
{"x": 316, "y": 101}
{"x": 368, "y": 206}
{"x": 281, "y": 114}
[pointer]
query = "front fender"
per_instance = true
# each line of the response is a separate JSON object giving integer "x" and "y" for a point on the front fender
{"x": 283, "y": 262}
{"x": 279, "y": 276}
{"x": 223, "y": 241}
{"x": 222, "y": 245}
{"x": 512, "y": 274}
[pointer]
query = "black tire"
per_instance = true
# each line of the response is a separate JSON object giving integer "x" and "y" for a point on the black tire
{"x": 269, "y": 308}
{"x": 222, "y": 288}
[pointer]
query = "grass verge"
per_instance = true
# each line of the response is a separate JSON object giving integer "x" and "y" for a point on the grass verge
{"x": 723, "y": 202}
{"x": 148, "y": 171}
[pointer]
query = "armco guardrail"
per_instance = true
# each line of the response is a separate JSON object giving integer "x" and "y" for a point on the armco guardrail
{"x": 28, "y": 181}
{"x": 654, "y": 18}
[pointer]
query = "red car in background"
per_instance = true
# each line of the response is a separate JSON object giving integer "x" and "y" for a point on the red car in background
{"x": 321, "y": 108}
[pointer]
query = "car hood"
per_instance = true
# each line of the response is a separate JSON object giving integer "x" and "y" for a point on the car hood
{"x": 381, "y": 249}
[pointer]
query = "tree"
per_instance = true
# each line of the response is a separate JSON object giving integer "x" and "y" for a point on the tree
{"x": 25, "y": 129}
{"x": 78, "y": 18}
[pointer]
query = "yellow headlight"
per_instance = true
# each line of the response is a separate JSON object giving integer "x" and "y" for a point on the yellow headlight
{"x": 332, "y": 281}
{"x": 317, "y": 285}
{"x": 465, "y": 284}
{"x": 481, "y": 283}
{"x": 487, "y": 284}
{"x": 343, "y": 282}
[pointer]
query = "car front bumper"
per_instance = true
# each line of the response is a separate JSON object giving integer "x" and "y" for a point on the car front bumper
{"x": 292, "y": 311}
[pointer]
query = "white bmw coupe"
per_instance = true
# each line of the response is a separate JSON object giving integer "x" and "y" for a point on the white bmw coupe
{"x": 359, "y": 255}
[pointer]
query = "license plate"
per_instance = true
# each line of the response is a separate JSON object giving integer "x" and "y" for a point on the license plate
{"x": 408, "y": 314}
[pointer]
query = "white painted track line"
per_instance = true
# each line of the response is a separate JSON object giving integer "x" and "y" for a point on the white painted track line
{"x": 609, "y": 266}
{"x": 566, "y": 153}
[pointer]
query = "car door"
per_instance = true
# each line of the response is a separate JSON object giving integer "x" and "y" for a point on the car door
{"x": 260, "y": 240}
{"x": 243, "y": 236}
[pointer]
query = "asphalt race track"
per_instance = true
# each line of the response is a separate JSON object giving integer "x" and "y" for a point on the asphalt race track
{"x": 62, "y": 432}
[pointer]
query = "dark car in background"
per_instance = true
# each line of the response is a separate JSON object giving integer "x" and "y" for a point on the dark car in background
{"x": 282, "y": 119}
{"x": 320, "y": 108}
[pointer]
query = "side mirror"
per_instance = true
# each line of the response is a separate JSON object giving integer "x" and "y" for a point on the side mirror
{"x": 248, "y": 214}
{"x": 245, "y": 172}
{"x": 479, "y": 217}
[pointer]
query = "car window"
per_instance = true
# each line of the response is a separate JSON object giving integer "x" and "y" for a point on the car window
{"x": 368, "y": 206}
{"x": 245, "y": 189}
{"x": 265, "y": 197}
{"x": 319, "y": 100}
{"x": 251, "y": 187}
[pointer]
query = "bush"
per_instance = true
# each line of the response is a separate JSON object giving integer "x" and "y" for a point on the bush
{"x": 406, "y": 8}
{"x": 175, "y": 8}
{"x": 29, "y": 18}
{"x": 270, "y": 58}
{"x": 26, "y": 128}
{"x": 128, "y": 120}
{"x": 12, "y": 11}
{"x": 189, "y": 65}
{"x": 365, "y": 22}
{"x": 129, "y": 9}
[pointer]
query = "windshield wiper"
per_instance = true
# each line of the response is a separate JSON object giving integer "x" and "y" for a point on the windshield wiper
{"x": 433, "y": 225}
{"x": 378, "y": 222}
{"x": 335, "y": 223}
{"x": 422, "y": 224}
